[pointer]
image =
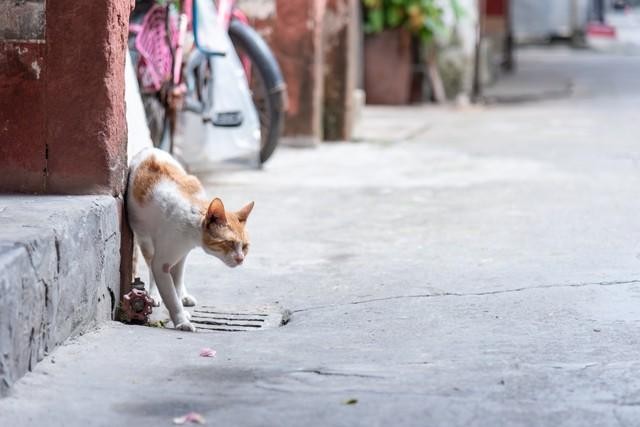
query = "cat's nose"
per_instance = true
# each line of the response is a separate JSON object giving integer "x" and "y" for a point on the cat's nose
{"x": 239, "y": 259}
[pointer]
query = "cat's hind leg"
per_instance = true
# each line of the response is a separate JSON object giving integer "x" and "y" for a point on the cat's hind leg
{"x": 146, "y": 247}
{"x": 177, "y": 273}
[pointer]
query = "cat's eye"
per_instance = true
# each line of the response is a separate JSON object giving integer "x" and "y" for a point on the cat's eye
{"x": 245, "y": 247}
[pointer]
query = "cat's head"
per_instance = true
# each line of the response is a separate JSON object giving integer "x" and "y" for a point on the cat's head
{"x": 224, "y": 235}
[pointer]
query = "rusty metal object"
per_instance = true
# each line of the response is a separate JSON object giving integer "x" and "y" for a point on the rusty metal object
{"x": 137, "y": 305}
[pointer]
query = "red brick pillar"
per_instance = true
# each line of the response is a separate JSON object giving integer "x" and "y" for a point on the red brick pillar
{"x": 293, "y": 29}
{"x": 298, "y": 45}
{"x": 341, "y": 27}
{"x": 62, "y": 112}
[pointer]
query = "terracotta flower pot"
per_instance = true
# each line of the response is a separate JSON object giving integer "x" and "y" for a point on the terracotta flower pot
{"x": 388, "y": 71}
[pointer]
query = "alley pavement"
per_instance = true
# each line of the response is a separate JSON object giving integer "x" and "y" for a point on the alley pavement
{"x": 473, "y": 266}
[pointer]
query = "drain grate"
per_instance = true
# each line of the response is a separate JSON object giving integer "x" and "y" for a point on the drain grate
{"x": 213, "y": 319}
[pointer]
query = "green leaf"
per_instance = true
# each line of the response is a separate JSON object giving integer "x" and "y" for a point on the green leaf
{"x": 423, "y": 18}
{"x": 395, "y": 16}
{"x": 375, "y": 21}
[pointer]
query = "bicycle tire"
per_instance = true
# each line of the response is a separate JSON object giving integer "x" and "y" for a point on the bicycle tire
{"x": 268, "y": 70}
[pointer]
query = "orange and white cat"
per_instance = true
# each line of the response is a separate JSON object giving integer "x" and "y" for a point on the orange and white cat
{"x": 170, "y": 215}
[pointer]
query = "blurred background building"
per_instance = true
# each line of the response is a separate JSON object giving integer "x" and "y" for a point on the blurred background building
{"x": 335, "y": 55}
{"x": 338, "y": 53}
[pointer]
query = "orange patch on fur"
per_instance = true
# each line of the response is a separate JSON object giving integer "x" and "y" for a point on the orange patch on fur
{"x": 151, "y": 171}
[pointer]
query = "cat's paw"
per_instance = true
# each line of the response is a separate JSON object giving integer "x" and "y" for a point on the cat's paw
{"x": 186, "y": 326}
{"x": 189, "y": 301}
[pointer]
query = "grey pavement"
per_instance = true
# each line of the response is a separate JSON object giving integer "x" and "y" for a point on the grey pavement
{"x": 535, "y": 79}
{"x": 481, "y": 268}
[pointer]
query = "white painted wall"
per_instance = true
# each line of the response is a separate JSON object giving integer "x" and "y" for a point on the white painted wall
{"x": 465, "y": 28}
{"x": 457, "y": 47}
{"x": 540, "y": 19}
{"x": 137, "y": 130}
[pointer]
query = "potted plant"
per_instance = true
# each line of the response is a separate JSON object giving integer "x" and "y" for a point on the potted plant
{"x": 391, "y": 26}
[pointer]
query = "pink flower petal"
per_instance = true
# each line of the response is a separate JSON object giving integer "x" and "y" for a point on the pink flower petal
{"x": 207, "y": 352}
{"x": 191, "y": 417}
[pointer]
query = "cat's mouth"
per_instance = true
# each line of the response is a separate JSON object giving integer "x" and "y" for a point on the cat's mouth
{"x": 233, "y": 263}
{"x": 229, "y": 262}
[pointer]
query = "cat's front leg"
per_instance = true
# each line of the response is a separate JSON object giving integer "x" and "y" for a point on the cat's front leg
{"x": 162, "y": 273}
{"x": 153, "y": 292}
{"x": 177, "y": 273}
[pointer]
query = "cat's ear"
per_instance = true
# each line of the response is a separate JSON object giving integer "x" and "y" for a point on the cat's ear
{"x": 243, "y": 213}
{"x": 215, "y": 213}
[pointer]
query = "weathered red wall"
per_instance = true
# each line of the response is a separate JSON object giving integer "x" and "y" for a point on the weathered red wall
{"x": 22, "y": 116}
{"x": 496, "y": 7}
{"x": 62, "y": 111}
{"x": 294, "y": 33}
{"x": 341, "y": 63}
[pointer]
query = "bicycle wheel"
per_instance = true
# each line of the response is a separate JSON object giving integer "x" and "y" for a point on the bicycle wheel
{"x": 266, "y": 83}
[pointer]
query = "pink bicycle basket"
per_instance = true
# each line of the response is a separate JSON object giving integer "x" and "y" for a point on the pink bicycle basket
{"x": 155, "y": 64}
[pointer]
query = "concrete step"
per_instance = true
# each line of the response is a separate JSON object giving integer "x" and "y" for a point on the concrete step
{"x": 59, "y": 274}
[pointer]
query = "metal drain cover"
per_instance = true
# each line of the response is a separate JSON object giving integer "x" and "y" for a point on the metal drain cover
{"x": 215, "y": 319}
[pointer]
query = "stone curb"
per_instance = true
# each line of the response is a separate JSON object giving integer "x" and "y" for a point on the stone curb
{"x": 59, "y": 274}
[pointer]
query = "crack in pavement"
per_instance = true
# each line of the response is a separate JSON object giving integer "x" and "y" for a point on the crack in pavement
{"x": 111, "y": 236}
{"x": 472, "y": 294}
{"x": 335, "y": 374}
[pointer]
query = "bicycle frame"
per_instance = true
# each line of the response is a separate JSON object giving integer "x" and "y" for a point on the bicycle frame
{"x": 176, "y": 35}
{"x": 183, "y": 22}
{"x": 226, "y": 12}
{"x": 178, "y": 77}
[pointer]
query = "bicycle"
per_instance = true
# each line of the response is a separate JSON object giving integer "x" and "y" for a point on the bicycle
{"x": 172, "y": 81}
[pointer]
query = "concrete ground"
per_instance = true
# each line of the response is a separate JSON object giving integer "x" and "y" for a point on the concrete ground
{"x": 463, "y": 267}
{"x": 535, "y": 80}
